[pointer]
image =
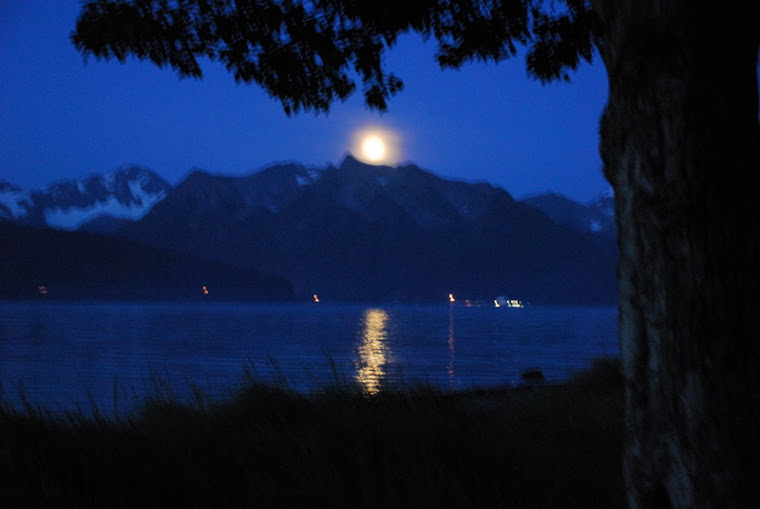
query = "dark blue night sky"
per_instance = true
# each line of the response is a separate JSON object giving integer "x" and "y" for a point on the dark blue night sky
{"x": 61, "y": 118}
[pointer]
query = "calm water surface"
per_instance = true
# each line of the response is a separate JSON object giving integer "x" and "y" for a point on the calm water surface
{"x": 67, "y": 355}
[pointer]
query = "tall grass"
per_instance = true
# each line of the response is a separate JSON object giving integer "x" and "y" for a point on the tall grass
{"x": 266, "y": 446}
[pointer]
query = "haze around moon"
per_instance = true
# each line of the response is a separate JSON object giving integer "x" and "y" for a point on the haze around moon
{"x": 376, "y": 146}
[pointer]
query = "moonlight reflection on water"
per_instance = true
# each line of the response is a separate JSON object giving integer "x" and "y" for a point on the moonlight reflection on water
{"x": 373, "y": 351}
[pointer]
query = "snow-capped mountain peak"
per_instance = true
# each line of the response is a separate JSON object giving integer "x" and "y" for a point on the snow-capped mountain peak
{"x": 126, "y": 193}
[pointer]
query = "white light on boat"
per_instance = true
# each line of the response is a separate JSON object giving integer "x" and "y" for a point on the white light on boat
{"x": 502, "y": 301}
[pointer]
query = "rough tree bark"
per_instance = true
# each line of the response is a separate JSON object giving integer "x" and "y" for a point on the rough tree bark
{"x": 680, "y": 144}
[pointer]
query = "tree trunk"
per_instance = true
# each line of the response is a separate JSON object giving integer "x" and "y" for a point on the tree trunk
{"x": 680, "y": 143}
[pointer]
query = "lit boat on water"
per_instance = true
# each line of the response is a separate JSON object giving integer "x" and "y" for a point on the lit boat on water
{"x": 502, "y": 302}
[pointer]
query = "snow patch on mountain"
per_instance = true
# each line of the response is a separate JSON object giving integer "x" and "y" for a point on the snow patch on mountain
{"x": 109, "y": 179}
{"x": 71, "y": 218}
{"x": 137, "y": 206}
{"x": 142, "y": 197}
{"x": 14, "y": 202}
{"x": 310, "y": 177}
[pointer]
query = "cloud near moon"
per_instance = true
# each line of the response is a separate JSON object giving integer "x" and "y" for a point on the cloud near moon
{"x": 376, "y": 146}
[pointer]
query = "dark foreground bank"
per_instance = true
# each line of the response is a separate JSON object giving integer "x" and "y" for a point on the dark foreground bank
{"x": 542, "y": 446}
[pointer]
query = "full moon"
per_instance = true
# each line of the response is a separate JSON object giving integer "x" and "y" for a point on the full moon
{"x": 373, "y": 148}
{"x": 376, "y": 145}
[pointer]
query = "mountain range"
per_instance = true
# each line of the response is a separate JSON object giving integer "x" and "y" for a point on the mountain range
{"x": 596, "y": 219}
{"x": 109, "y": 199}
{"x": 43, "y": 263}
{"x": 350, "y": 232}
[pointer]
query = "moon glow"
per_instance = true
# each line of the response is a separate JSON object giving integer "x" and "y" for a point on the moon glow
{"x": 375, "y": 145}
{"x": 373, "y": 148}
